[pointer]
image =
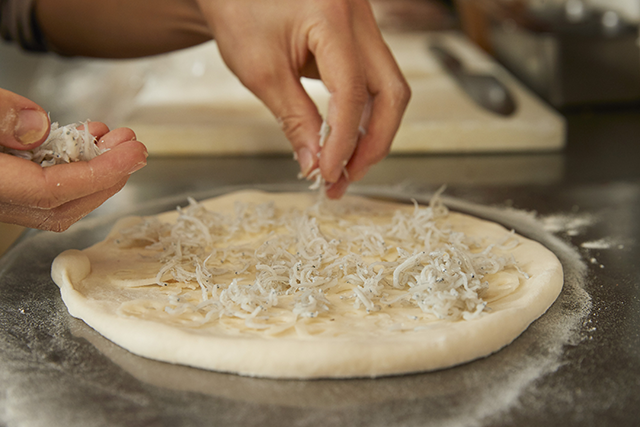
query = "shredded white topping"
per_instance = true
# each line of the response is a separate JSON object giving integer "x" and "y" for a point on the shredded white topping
{"x": 64, "y": 144}
{"x": 325, "y": 130}
{"x": 319, "y": 182}
{"x": 271, "y": 268}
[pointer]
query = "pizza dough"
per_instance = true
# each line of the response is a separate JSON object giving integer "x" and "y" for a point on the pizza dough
{"x": 361, "y": 314}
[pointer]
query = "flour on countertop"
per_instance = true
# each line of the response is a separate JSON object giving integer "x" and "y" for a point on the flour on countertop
{"x": 572, "y": 225}
{"x": 604, "y": 243}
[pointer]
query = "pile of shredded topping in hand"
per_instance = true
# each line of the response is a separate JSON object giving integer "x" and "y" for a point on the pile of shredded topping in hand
{"x": 64, "y": 144}
{"x": 270, "y": 269}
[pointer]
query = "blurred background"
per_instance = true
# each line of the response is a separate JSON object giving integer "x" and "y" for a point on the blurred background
{"x": 568, "y": 53}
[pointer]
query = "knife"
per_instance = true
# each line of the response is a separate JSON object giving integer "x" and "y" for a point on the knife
{"x": 485, "y": 89}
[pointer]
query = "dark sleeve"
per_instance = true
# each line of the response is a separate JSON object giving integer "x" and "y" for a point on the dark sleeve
{"x": 18, "y": 24}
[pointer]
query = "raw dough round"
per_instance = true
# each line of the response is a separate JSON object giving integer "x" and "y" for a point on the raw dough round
{"x": 95, "y": 283}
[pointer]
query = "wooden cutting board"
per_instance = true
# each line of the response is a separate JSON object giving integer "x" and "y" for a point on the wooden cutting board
{"x": 192, "y": 104}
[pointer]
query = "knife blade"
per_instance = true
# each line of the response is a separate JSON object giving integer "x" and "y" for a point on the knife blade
{"x": 485, "y": 89}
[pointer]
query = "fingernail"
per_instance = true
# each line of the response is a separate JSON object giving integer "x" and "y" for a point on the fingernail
{"x": 358, "y": 175}
{"x": 306, "y": 160}
{"x": 137, "y": 167}
{"x": 334, "y": 175}
{"x": 337, "y": 189}
{"x": 31, "y": 126}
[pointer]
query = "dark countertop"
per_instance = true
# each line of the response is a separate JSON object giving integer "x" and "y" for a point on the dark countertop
{"x": 577, "y": 365}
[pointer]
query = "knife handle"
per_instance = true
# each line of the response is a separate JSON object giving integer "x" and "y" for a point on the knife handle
{"x": 450, "y": 62}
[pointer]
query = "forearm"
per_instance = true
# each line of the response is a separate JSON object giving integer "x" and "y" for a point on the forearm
{"x": 17, "y": 24}
{"x": 120, "y": 28}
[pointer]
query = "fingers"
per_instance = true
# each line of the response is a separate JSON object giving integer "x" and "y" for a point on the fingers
{"x": 67, "y": 182}
{"x": 368, "y": 130}
{"x": 265, "y": 64}
{"x": 338, "y": 57}
{"x": 55, "y": 197}
{"x": 390, "y": 96}
{"x": 107, "y": 141}
{"x": 24, "y": 124}
{"x": 97, "y": 129}
{"x": 61, "y": 217}
{"x": 337, "y": 189}
{"x": 386, "y": 110}
{"x": 270, "y": 48}
{"x": 298, "y": 117}
{"x": 368, "y": 91}
{"x": 369, "y": 94}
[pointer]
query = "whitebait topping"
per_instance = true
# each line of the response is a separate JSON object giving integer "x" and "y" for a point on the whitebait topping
{"x": 64, "y": 144}
{"x": 269, "y": 270}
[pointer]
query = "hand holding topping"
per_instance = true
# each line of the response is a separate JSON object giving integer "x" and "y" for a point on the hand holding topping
{"x": 53, "y": 198}
{"x": 271, "y": 46}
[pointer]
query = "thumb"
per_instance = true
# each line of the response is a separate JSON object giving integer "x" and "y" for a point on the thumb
{"x": 23, "y": 123}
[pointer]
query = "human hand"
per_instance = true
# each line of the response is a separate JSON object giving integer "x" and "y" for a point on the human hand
{"x": 55, "y": 197}
{"x": 271, "y": 45}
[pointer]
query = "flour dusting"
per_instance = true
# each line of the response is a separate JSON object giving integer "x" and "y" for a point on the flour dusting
{"x": 572, "y": 225}
{"x": 604, "y": 243}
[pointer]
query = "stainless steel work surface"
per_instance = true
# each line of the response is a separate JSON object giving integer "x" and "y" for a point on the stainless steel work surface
{"x": 579, "y": 364}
